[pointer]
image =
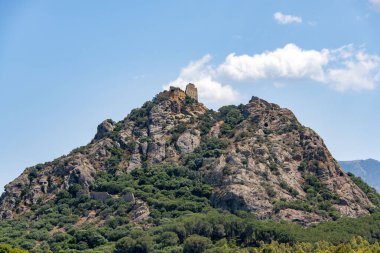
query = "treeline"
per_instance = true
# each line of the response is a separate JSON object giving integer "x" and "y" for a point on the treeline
{"x": 355, "y": 245}
{"x": 220, "y": 231}
{"x": 199, "y": 244}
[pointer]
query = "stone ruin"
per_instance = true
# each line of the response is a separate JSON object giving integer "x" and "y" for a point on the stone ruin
{"x": 191, "y": 91}
{"x": 129, "y": 197}
{"x": 175, "y": 91}
{"x": 102, "y": 196}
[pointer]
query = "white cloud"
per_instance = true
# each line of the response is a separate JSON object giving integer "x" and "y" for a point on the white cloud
{"x": 375, "y": 4}
{"x": 203, "y": 75}
{"x": 358, "y": 72}
{"x": 287, "y": 62}
{"x": 344, "y": 68}
{"x": 286, "y": 19}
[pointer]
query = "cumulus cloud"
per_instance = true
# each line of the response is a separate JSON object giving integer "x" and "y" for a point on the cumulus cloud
{"x": 287, "y": 62}
{"x": 375, "y": 4}
{"x": 286, "y": 19}
{"x": 357, "y": 71}
{"x": 345, "y": 68}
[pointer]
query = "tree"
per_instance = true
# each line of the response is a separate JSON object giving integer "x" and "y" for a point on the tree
{"x": 8, "y": 249}
{"x": 139, "y": 245}
{"x": 168, "y": 239}
{"x": 196, "y": 244}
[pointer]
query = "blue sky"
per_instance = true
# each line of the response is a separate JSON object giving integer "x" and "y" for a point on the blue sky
{"x": 67, "y": 65}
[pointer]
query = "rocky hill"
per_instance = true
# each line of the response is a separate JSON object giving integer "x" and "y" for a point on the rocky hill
{"x": 255, "y": 157}
{"x": 368, "y": 170}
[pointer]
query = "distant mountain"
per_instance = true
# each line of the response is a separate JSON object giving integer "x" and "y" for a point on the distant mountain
{"x": 368, "y": 170}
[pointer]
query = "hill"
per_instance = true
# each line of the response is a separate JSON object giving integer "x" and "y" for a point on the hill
{"x": 147, "y": 179}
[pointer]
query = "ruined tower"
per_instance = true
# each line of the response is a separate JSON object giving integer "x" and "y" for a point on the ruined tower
{"x": 192, "y": 91}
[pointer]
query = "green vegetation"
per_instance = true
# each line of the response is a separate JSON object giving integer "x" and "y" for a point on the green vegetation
{"x": 209, "y": 147}
{"x": 135, "y": 243}
{"x": 318, "y": 199}
{"x": 181, "y": 219}
{"x": 231, "y": 116}
{"x": 8, "y": 249}
{"x": 189, "y": 100}
{"x": 206, "y": 121}
{"x": 177, "y": 131}
{"x": 64, "y": 225}
{"x": 288, "y": 188}
{"x": 140, "y": 115}
{"x": 369, "y": 191}
{"x": 357, "y": 244}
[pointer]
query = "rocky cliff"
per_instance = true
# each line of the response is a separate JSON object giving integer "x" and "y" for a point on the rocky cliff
{"x": 257, "y": 157}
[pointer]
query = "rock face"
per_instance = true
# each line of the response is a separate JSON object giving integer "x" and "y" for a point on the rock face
{"x": 271, "y": 157}
{"x": 268, "y": 159}
{"x": 188, "y": 141}
{"x": 140, "y": 211}
{"x": 107, "y": 126}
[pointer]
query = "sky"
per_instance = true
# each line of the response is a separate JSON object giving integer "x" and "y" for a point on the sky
{"x": 65, "y": 66}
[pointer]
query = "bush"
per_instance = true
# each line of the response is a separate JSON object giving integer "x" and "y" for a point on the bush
{"x": 212, "y": 147}
{"x": 33, "y": 174}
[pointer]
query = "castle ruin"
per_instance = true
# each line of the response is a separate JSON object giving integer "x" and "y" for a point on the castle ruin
{"x": 191, "y": 91}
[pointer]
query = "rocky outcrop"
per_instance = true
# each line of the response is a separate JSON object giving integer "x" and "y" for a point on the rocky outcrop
{"x": 270, "y": 162}
{"x": 140, "y": 211}
{"x": 188, "y": 141}
{"x": 104, "y": 128}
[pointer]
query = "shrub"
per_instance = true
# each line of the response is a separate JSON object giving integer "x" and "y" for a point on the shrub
{"x": 33, "y": 174}
{"x": 206, "y": 121}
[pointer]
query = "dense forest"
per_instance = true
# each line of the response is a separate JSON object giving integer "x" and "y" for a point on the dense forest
{"x": 181, "y": 220}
